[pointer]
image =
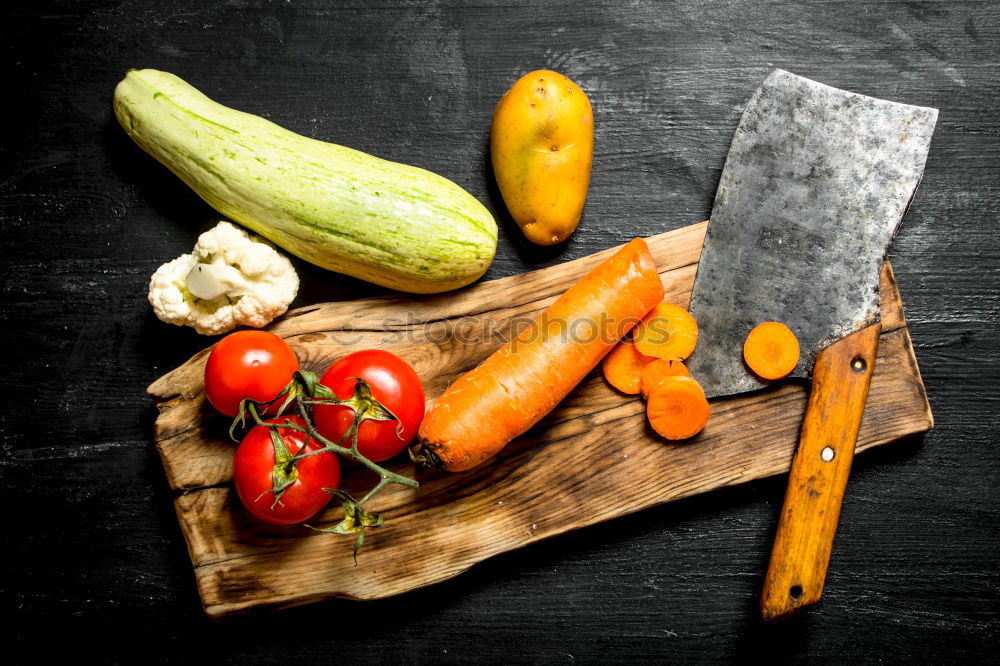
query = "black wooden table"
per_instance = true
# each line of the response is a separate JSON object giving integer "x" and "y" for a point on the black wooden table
{"x": 95, "y": 562}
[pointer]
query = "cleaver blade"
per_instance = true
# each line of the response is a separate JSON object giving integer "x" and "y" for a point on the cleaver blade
{"x": 815, "y": 185}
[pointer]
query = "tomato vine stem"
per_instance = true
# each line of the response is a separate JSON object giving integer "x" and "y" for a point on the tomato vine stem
{"x": 303, "y": 392}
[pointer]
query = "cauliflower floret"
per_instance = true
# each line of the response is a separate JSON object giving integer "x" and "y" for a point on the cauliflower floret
{"x": 228, "y": 280}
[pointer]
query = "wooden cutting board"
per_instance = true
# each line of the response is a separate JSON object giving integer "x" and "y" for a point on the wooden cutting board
{"x": 592, "y": 459}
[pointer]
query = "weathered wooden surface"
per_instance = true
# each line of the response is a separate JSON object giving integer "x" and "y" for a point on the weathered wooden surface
{"x": 532, "y": 490}
{"x": 91, "y": 532}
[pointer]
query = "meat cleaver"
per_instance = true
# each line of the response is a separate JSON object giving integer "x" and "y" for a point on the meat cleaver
{"x": 816, "y": 182}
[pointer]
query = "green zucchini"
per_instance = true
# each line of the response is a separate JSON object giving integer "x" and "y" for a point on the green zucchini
{"x": 392, "y": 224}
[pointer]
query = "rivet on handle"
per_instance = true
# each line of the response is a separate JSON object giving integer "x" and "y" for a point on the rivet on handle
{"x": 858, "y": 365}
{"x": 827, "y": 454}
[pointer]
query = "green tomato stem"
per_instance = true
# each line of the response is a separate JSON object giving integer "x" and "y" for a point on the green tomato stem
{"x": 304, "y": 391}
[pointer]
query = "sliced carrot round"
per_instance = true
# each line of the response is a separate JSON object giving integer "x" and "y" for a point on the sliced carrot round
{"x": 623, "y": 367}
{"x": 668, "y": 331}
{"x": 677, "y": 408}
{"x": 771, "y": 350}
{"x": 659, "y": 369}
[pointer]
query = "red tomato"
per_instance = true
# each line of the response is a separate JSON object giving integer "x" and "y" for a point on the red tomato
{"x": 254, "y": 462}
{"x": 393, "y": 383}
{"x": 247, "y": 364}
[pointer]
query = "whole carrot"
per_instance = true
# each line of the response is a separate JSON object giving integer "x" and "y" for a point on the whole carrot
{"x": 526, "y": 378}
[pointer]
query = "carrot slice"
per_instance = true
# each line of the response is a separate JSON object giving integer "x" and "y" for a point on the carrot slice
{"x": 677, "y": 408}
{"x": 659, "y": 369}
{"x": 771, "y": 350}
{"x": 623, "y": 367}
{"x": 526, "y": 378}
{"x": 669, "y": 331}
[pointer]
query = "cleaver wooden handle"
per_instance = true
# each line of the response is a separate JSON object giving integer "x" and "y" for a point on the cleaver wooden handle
{"x": 818, "y": 477}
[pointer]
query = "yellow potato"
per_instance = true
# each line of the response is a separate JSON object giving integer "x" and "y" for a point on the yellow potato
{"x": 542, "y": 145}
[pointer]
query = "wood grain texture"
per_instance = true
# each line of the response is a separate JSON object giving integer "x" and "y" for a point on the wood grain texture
{"x": 818, "y": 476}
{"x": 531, "y": 490}
{"x": 87, "y": 217}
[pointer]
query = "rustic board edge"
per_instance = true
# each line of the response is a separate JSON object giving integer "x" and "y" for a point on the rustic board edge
{"x": 223, "y": 611}
{"x": 162, "y": 390}
{"x": 206, "y": 574}
{"x": 167, "y": 399}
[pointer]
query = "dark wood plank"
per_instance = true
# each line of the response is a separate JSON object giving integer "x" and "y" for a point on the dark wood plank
{"x": 87, "y": 217}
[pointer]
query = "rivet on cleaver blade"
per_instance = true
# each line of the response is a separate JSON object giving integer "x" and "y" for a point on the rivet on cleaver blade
{"x": 816, "y": 182}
